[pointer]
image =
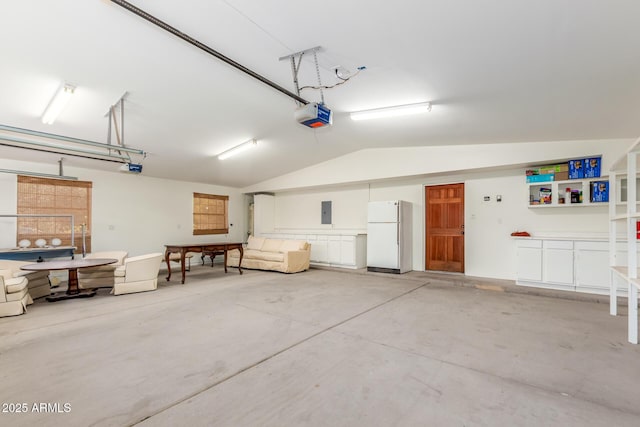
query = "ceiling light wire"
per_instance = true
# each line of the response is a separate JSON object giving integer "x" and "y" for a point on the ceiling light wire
{"x": 261, "y": 28}
{"x": 337, "y": 84}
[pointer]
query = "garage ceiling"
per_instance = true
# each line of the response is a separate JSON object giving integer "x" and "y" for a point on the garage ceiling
{"x": 495, "y": 71}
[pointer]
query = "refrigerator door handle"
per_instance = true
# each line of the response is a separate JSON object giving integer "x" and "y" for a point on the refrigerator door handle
{"x": 398, "y": 226}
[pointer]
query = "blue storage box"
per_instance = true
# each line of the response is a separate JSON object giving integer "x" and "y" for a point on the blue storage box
{"x": 547, "y": 177}
{"x": 592, "y": 167}
{"x": 576, "y": 169}
{"x": 599, "y": 191}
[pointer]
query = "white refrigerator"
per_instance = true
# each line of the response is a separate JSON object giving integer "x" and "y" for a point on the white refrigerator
{"x": 389, "y": 237}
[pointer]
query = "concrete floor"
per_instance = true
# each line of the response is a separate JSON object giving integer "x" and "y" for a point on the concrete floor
{"x": 321, "y": 348}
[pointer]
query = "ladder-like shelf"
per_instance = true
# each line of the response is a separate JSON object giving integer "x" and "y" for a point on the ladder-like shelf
{"x": 626, "y": 165}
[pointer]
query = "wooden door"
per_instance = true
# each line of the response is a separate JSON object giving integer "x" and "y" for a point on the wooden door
{"x": 444, "y": 228}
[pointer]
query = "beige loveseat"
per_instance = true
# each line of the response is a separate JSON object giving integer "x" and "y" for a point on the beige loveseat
{"x": 286, "y": 256}
{"x": 38, "y": 285}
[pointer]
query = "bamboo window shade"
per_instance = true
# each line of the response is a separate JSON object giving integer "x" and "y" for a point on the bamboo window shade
{"x": 210, "y": 214}
{"x": 46, "y": 196}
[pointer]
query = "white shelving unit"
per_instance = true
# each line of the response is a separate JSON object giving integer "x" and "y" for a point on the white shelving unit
{"x": 625, "y": 166}
{"x": 558, "y": 190}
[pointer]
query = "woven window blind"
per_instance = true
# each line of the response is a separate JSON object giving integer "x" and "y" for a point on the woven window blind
{"x": 54, "y": 197}
{"x": 210, "y": 214}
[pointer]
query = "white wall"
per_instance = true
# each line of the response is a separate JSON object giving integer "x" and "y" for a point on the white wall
{"x": 8, "y": 201}
{"x": 352, "y": 180}
{"x": 405, "y": 162}
{"x": 132, "y": 212}
{"x": 301, "y": 210}
{"x": 489, "y": 248}
{"x": 263, "y": 213}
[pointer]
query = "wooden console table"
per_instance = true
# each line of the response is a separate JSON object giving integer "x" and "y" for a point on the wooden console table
{"x": 202, "y": 247}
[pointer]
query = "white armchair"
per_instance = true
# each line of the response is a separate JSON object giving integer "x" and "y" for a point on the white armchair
{"x": 103, "y": 276}
{"x": 38, "y": 281}
{"x": 14, "y": 294}
{"x": 138, "y": 274}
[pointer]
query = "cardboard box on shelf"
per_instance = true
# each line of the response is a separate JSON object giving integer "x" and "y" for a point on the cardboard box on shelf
{"x": 576, "y": 169}
{"x": 545, "y": 196}
{"x": 592, "y": 167}
{"x": 540, "y": 178}
{"x": 599, "y": 191}
{"x": 548, "y": 169}
{"x": 564, "y": 167}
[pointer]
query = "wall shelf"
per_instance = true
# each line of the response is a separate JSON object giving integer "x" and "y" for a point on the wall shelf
{"x": 558, "y": 193}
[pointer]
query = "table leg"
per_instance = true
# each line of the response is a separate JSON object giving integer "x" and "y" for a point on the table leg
{"x": 240, "y": 262}
{"x": 72, "y": 288}
{"x": 225, "y": 259}
{"x": 168, "y": 261}
{"x": 73, "y": 291}
{"x": 183, "y": 252}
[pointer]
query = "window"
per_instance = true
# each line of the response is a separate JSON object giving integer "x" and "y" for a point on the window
{"x": 44, "y": 196}
{"x": 210, "y": 214}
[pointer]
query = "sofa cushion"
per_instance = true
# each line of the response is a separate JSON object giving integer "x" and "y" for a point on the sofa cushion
{"x": 263, "y": 256}
{"x": 19, "y": 296}
{"x": 271, "y": 245}
{"x": 15, "y": 285}
{"x": 255, "y": 242}
{"x": 292, "y": 245}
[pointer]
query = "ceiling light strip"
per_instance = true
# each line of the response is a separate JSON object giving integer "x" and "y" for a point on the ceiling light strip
{"x": 70, "y": 139}
{"x": 65, "y": 151}
{"x": 395, "y": 111}
{"x": 61, "y": 148}
{"x": 57, "y": 103}
{"x": 237, "y": 149}
{"x": 141, "y": 13}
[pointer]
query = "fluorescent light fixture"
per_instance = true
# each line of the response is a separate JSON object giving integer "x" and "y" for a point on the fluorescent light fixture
{"x": 398, "y": 110}
{"x": 57, "y": 104}
{"x": 237, "y": 149}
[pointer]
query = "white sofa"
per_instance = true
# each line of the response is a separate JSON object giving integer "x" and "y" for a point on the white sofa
{"x": 104, "y": 275}
{"x": 38, "y": 285}
{"x": 285, "y": 256}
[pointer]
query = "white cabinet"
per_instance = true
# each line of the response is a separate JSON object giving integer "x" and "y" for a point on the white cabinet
{"x": 335, "y": 254}
{"x": 557, "y": 262}
{"x": 529, "y": 260}
{"x": 564, "y": 264}
{"x": 592, "y": 260}
{"x": 319, "y": 249}
{"x": 348, "y": 250}
{"x": 592, "y": 267}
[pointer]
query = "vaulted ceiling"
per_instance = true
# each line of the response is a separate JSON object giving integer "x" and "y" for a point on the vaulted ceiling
{"x": 495, "y": 71}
